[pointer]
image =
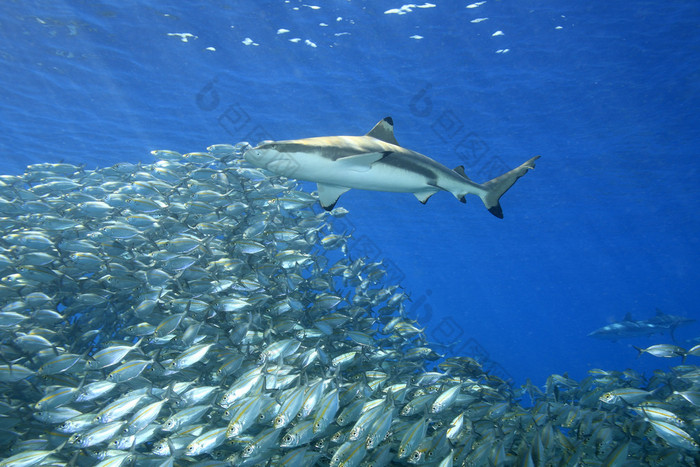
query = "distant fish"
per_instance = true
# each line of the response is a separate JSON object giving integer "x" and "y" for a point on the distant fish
{"x": 663, "y": 351}
{"x": 630, "y": 328}
{"x": 375, "y": 162}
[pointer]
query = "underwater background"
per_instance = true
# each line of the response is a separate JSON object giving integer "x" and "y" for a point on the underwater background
{"x": 606, "y": 92}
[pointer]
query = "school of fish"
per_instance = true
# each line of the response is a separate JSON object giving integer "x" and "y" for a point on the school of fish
{"x": 198, "y": 311}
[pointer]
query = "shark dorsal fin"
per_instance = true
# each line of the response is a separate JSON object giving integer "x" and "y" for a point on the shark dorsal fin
{"x": 460, "y": 170}
{"x": 384, "y": 131}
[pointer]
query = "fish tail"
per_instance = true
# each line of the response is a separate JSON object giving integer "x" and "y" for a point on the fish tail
{"x": 495, "y": 188}
{"x": 638, "y": 349}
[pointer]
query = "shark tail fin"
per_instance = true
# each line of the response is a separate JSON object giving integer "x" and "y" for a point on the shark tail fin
{"x": 495, "y": 188}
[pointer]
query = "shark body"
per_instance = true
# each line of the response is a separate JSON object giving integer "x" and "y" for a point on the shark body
{"x": 375, "y": 161}
{"x": 628, "y": 327}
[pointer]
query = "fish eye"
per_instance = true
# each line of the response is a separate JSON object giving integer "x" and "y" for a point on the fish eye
{"x": 287, "y": 438}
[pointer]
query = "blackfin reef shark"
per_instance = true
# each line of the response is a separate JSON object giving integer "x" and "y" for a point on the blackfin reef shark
{"x": 375, "y": 161}
{"x": 629, "y": 327}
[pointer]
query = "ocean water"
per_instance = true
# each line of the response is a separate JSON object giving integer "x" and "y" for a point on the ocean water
{"x": 607, "y": 93}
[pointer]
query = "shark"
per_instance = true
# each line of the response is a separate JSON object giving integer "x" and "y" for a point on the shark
{"x": 375, "y": 161}
{"x": 628, "y": 327}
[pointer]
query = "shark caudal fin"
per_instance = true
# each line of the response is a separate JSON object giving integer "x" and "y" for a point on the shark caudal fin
{"x": 499, "y": 185}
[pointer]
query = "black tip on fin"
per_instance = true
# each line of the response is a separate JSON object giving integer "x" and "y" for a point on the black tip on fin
{"x": 384, "y": 131}
{"x": 496, "y": 211}
{"x": 330, "y": 207}
{"x": 460, "y": 170}
{"x": 424, "y": 196}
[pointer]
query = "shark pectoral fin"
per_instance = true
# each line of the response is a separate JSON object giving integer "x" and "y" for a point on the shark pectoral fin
{"x": 424, "y": 195}
{"x": 361, "y": 162}
{"x": 328, "y": 195}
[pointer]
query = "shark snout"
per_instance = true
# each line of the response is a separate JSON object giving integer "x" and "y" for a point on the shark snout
{"x": 272, "y": 160}
{"x": 258, "y": 157}
{"x": 251, "y": 155}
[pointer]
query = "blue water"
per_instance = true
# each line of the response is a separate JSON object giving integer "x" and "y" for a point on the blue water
{"x": 606, "y": 92}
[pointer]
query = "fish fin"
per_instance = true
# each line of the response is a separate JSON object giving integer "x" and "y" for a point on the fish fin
{"x": 672, "y": 330}
{"x": 460, "y": 170}
{"x": 495, "y": 188}
{"x": 384, "y": 131}
{"x": 638, "y": 349}
{"x": 424, "y": 196}
{"x": 328, "y": 195}
{"x": 361, "y": 162}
